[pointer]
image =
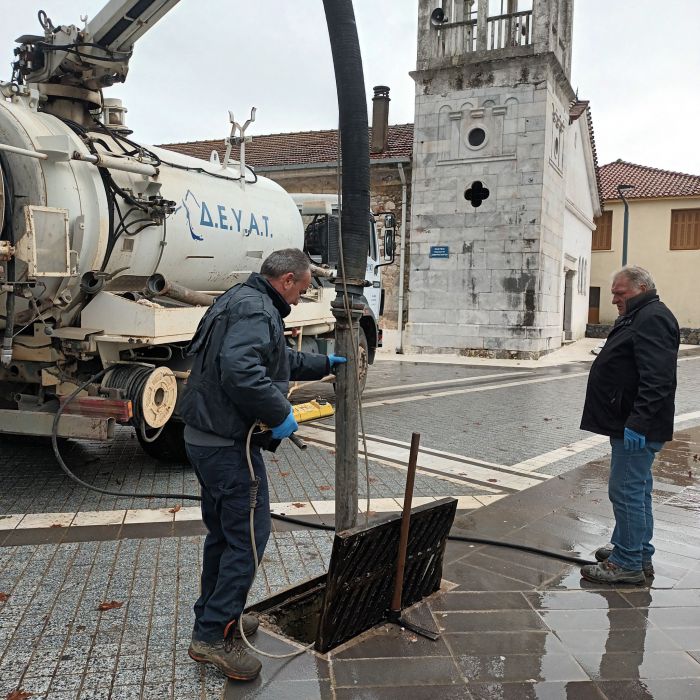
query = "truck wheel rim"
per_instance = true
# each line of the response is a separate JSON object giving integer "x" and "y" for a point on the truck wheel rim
{"x": 158, "y": 397}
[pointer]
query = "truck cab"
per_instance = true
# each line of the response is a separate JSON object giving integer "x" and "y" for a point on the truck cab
{"x": 321, "y": 217}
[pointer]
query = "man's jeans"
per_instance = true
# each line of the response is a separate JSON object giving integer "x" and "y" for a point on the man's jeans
{"x": 629, "y": 489}
{"x": 228, "y": 565}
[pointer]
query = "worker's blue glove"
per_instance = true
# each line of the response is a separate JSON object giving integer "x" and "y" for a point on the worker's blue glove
{"x": 634, "y": 441}
{"x": 336, "y": 360}
{"x": 286, "y": 427}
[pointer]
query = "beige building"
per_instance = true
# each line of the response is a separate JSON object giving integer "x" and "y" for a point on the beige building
{"x": 663, "y": 237}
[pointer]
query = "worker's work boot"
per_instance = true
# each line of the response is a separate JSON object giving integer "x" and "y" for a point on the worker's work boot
{"x": 602, "y": 553}
{"x": 609, "y": 572}
{"x": 229, "y": 656}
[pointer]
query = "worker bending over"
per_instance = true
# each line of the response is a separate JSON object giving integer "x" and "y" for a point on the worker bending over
{"x": 240, "y": 376}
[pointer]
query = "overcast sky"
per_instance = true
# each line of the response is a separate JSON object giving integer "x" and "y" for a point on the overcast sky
{"x": 638, "y": 62}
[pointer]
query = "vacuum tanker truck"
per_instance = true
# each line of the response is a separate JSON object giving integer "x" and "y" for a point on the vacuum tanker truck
{"x": 111, "y": 251}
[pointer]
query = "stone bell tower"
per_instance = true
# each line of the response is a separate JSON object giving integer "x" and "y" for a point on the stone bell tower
{"x": 487, "y": 239}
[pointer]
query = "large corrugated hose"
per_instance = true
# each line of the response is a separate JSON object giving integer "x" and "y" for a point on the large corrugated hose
{"x": 354, "y": 137}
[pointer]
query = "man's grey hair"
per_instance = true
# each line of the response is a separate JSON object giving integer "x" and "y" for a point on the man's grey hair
{"x": 637, "y": 276}
{"x": 281, "y": 262}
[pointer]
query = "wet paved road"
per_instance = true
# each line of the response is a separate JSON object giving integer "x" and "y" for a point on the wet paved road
{"x": 518, "y": 423}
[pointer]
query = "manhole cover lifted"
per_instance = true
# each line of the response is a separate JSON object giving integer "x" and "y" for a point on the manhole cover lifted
{"x": 356, "y": 593}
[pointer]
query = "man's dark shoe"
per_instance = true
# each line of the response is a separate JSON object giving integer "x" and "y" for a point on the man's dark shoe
{"x": 229, "y": 656}
{"x": 608, "y": 572}
{"x": 602, "y": 553}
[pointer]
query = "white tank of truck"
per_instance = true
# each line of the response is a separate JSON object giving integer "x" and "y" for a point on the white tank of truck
{"x": 214, "y": 226}
{"x": 111, "y": 251}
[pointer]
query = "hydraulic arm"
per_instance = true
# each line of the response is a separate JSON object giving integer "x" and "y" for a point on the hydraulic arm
{"x": 93, "y": 57}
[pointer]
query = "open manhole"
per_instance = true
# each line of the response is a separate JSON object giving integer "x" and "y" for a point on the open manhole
{"x": 356, "y": 592}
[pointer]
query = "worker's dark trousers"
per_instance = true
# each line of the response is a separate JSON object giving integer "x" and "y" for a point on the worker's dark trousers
{"x": 228, "y": 565}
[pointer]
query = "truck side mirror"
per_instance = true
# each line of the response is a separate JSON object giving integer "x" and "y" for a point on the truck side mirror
{"x": 389, "y": 243}
{"x": 389, "y": 237}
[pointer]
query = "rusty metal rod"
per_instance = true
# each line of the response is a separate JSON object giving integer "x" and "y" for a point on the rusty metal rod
{"x": 405, "y": 524}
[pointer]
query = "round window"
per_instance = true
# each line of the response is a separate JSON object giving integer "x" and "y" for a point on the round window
{"x": 476, "y": 137}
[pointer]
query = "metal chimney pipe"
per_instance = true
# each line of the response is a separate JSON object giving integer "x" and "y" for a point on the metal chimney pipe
{"x": 380, "y": 119}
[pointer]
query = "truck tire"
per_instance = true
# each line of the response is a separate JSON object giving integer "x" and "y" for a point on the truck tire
{"x": 169, "y": 446}
{"x": 363, "y": 360}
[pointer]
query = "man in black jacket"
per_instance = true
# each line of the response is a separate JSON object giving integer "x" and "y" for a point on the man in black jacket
{"x": 630, "y": 397}
{"x": 240, "y": 376}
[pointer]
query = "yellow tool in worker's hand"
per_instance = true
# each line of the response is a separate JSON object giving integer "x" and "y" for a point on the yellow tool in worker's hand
{"x": 312, "y": 410}
{"x": 303, "y": 413}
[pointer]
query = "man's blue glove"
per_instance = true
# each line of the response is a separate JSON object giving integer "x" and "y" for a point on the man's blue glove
{"x": 286, "y": 427}
{"x": 634, "y": 441}
{"x": 336, "y": 360}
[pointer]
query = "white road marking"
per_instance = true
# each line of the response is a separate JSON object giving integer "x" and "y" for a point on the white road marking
{"x": 547, "y": 458}
{"x": 470, "y": 390}
{"x": 573, "y": 448}
{"x": 493, "y": 477}
{"x": 147, "y": 516}
{"x": 442, "y": 382}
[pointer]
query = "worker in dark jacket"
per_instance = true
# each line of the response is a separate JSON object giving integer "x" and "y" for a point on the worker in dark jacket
{"x": 240, "y": 376}
{"x": 630, "y": 397}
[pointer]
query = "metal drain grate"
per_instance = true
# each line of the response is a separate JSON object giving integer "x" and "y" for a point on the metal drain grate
{"x": 360, "y": 578}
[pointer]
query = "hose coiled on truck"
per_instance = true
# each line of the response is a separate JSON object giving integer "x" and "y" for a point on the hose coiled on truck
{"x": 133, "y": 382}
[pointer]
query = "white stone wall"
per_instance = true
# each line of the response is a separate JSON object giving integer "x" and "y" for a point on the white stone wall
{"x": 578, "y": 221}
{"x": 501, "y": 118}
{"x": 498, "y": 293}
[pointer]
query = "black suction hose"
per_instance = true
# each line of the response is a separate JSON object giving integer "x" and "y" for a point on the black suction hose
{"x": 459, "y": 538}
{"x": 353, "y": 136}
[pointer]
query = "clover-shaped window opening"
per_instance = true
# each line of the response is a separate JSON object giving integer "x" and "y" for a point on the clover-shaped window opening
{"x": 476, "y": 193}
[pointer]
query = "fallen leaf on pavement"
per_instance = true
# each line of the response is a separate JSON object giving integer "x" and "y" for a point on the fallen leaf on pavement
{"x": 56, "y": 525}
{"x": 284, "y": 473}
{"x": 324, "y": 488}
{"x": 110, "y": 605}
{"x": 493, "y": 479}
{"x": 298, "y": 505}
{"x": 175, "y": 509}
{"x": 4, "y": 596}
{"x": 18, "y": 695}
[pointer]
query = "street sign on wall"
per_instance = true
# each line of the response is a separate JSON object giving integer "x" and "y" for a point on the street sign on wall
{"x": 439, "y": 251}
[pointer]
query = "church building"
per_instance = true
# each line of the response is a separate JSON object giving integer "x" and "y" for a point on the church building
{"x": 504, "y": 186}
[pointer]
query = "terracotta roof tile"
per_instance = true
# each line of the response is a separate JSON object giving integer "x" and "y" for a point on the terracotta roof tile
{"x": 648, "y": 182}
{"x": 599, "y": 182}
{"x": 298, "y": 148}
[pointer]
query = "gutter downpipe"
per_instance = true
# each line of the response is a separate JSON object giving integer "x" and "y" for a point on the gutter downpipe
{"x": 402, "y": 257}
